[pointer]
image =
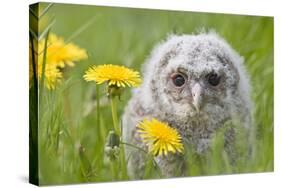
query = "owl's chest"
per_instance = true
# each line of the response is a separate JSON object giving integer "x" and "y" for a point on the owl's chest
{"x": 198, "y": 132}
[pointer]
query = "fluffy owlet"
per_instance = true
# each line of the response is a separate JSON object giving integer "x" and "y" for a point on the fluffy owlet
{"x": 195, "y": 83}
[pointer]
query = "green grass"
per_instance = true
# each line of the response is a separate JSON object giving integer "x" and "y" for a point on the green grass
{"x": 71, "y": 143}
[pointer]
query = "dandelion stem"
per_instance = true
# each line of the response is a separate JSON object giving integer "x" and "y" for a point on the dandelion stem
{"x": 114, "y": 170}
{"x": 123, "y": 162}
{"x": 118, "y": 132}
{"x": 114, "y": 114}
{"x": 152, "y": 158}
{"x": 98, "y": 110}
{"x": 133, "y": 146}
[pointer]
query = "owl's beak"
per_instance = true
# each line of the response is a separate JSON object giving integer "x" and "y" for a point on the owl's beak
{"x": 197, "y": 95}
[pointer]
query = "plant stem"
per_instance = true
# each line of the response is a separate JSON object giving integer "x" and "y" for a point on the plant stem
{"x": 114, "y": 115}
{"x": 152, "y": 158}
{"x": 123, "y": 163}
{"x": 133, "y": 146}
{"x": 98, "y": 111}
{"x": 114, "y": 170}
{"x": 118, "y": 132}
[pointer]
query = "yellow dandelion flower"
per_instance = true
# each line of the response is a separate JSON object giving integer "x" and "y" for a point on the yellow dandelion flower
{"x": 115, "y": 75}
{"x": 59, "y": 53}
{"x": 160, "y": 137}
{"x": 52, "y": 76}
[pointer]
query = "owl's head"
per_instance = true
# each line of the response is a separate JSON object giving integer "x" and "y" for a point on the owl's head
{"x": 195, "y": 74}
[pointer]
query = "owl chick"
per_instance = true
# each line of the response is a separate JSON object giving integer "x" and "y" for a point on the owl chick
{"x": 195, "y": 83}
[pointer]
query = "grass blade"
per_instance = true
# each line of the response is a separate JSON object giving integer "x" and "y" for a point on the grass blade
{"x": 38, "y": 17}
{"x": 33, "y": 13}
{"x": 33, "y": 63}
{"x": 46, "y": 30}
{"x": 45, "y": 10}
{"x": 44, "y": 63}
{"x": 81, "y": 29}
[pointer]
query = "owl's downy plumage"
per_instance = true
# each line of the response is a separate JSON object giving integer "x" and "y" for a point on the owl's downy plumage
{"x": 195, "y": 83}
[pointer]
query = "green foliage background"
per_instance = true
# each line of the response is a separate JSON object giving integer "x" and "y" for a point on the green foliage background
{"x": 70, "y": 142}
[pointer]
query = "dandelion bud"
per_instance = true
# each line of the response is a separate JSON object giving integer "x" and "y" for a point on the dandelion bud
{"x": 112, "y": 149}
{"x": 113, "y": 139}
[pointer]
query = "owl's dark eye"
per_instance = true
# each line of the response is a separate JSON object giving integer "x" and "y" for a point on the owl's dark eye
{"x": 178, "y": 80}
{"x": 213, "y": 79}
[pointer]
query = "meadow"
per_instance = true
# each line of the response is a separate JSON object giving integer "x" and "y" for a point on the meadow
{"x": 71, "y": 132}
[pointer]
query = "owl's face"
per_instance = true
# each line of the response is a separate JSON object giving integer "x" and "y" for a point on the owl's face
{"x": 196, "y": 79}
